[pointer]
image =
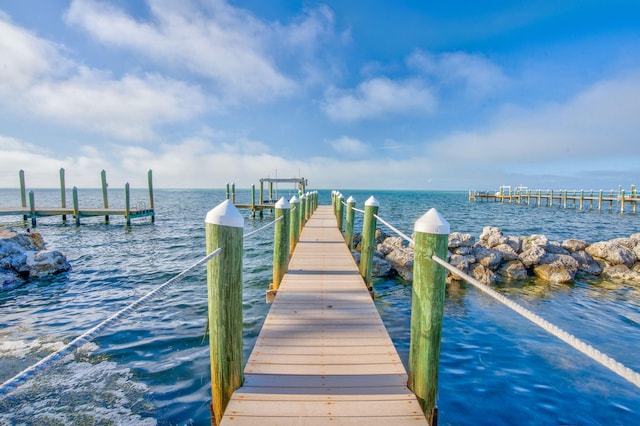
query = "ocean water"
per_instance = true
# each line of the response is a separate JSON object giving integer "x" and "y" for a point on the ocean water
{"x": 153, "y": 367}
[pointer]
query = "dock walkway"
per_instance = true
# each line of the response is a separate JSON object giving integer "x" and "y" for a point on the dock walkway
{"x": 323, "y": 355}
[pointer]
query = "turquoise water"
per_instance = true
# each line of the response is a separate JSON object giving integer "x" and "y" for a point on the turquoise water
{"x": 153, "y": 367}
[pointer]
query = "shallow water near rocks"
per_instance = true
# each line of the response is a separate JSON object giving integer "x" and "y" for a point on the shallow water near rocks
{"x": 153, "y": 367}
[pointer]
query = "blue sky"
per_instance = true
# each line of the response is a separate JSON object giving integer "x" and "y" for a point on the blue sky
{"x": 350, "y": 94}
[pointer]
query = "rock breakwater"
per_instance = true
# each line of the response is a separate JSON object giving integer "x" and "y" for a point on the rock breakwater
{"x": 494, "y": 256}
{"x": 23, "y": 255}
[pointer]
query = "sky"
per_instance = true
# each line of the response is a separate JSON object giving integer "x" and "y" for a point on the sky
{"x": 365, "y": 94}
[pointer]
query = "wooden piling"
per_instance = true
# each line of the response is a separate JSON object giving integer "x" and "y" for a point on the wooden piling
{"x": 105, "y": 197}
{"x": 23, "y": 193}
{"x": 281, "y": 241}
{"x": 127, "y": 204}
{"x": 340, "y": 211}
{"x": 368, "y": 239}
{"x": 224, "y": 226}
{"x": 32, "y": 208}
{"x": 253, "y": 200}
{"x": 427, "y": 308}
{"x": 350, "y": 218}
{"x": 151, "y": 204}
{"x": 228, "y": 196}
{"x": 622, "y": 201}
{"x": 303, "y": 214}
{"x": 294, "y": 230}
{"x": 63, "y": 194}
{"x": 233, "y": 192}
{"x": 76, "y": 205}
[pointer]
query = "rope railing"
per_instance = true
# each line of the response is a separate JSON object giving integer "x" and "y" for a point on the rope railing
{"x": 603, "y": 359}
{"x": 91, "y": 334}
{"x": 255, "y": 231}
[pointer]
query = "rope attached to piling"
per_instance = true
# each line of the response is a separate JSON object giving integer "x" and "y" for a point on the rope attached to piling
{"x": 601, "y": 358}
{"x": 27, "y": 374}
{"x": 605, "y": 360}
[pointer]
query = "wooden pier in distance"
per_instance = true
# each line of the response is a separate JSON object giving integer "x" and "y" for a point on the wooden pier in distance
{"x": 323, "y": 355}
{"x": 264, "y": 204}
{"x": 576, "y": 199}
{"x": 33, "y": 212}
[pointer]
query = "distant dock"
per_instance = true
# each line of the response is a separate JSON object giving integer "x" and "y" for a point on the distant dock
{"x": 261, "y": 204}
{"x": 31, "y": 211}
{"x": 578, "y": 199}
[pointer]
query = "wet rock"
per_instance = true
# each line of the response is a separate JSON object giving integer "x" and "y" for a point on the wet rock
{"x": 574, "y": 245}
{"x": 557, "y": 268}
{"x": 487, "y": 257}
{"x": 586, "y": 263}
{"x": 532, "y": 256}
{"x": 482, "y": 274}
{"x": 401, "y": 259}
{"x": 514, "y": 270}
{"x": 507, "y": 252}
{"x": 621, "y": 272}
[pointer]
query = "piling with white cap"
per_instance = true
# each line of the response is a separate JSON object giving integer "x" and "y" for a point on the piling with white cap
{"x": 368, "y": 239}
{"x": 281, "y": 242}
{"x": 350, "y": 218}
{"x": 427, "y": 308}
{"x": 224, "y": 229}
{"x": 294, "y": 229}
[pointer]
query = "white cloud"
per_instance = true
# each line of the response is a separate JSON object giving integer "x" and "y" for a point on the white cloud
{"x": 24, "y": 57}
{"x": 347, "y": 145}
{"x": 475, "y": 73}
{"x": 601, "y": 122}
{"x": 379, "y": 97}
{"x": 128, "y": 108}
{"x": 222, "y": 43}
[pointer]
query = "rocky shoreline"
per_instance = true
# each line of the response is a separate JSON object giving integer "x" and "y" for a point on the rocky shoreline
{"x": 494, "y": 256}
{"x": 23, "y": 255}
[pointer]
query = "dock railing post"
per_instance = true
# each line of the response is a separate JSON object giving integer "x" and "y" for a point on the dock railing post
{"x": 294, "y": 230}
{"x": 253, "y": 200}
{"x": 307, "y": 207}
{"x": 228, "y": 196}
{"x": 348, "y": 234}
{"x": 303, "y": 214}
{"x": 427, "y": 308}
{"x": 280, "y": 245}
{"x": 63, "y": 194}
{"x": 224, "y": 226}
{"x": 340, "y": 211}
{"x": 368, "y": 239}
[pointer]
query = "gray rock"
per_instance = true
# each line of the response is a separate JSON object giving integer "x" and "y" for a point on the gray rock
{"x": 380, "y": 267}
{"x": 557, "y": 268}
{"x": 401, "y": 259}
{"x": 491, "y": 237}
{"x": 586, "y": 263}
{"x": 507, "y": 252}
{"x": 612, "y": 253}
{"x": 535, "y": 240}
{"x": 627, "y": 242}
{"x": 463, "y": 250}
{"x": 487, "y": 257}
{"x": 515, "y": 243}
{"x": 513, "y": 269}
{"x": 482, "y": 274}
{"x": 621, "y": 272}
{"x": 457, "y": 239}
{"x": 574, "y": 245}
{"x": 532, "y": 256}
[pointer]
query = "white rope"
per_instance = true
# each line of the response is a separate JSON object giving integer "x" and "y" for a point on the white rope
{"x": 358, "y": 210}
{"x": 91, "y": 334}
{"x": 613, "y": 365}
{"x": 254, "y": 232}
{"x": 406, "y": 237}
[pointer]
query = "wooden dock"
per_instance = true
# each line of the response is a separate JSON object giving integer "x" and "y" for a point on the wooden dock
{"x": 323, "y": 355}
{"x": 581, "y": 200}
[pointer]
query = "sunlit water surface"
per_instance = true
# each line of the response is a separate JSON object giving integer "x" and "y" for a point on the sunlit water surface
{"x": 153, "y": 367}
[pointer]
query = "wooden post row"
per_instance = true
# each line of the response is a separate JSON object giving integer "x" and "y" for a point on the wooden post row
{"x": 427, "y": 308}
{"x": 281, "y": 241}
{"x": 294, "y": 231}
{"x": 224, "y": 227}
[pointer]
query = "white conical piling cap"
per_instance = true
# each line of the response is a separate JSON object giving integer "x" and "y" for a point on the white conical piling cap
{"x": 432, "y": 223}
{"x": 372, "y": 202}
{"x": 294, "y": 199}
{"x": 302, "y": 197}
{"x": 283, "y": 204}
{"x": 340, "y": 196}
{"x": 351, "y": 200}
{"x": 225, "y": 214}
